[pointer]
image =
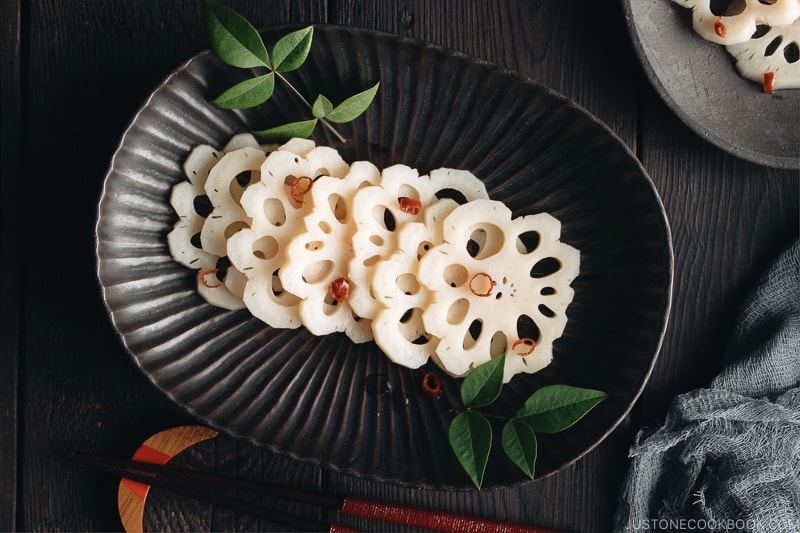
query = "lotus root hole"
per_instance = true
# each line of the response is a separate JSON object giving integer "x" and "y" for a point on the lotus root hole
{"x": 377, "y": 240}
{"x": 265, "y": 247}
{"x": 773, "y": 45}
{"x": 528, "y": 242}
{"x": 761, "y": 30}
{"x": 546, "y": 311}
{"x": 497, "y": 346}
{"x": 407, "y": 191}
{"x": 277, "y": 286}
{"x": 338, "y": 207}
{"x": 422, "y": 249}
{"x": 485, "y": 241}
{"x": 728, "y": 8}
{"x": 241, "y": 182}
{"x": 411, "y": 327}
{"x": 545, "y": 267}
{"x": 384, "y": 217}
{"x": 372, "y": 261}
{"x": 458, "y": 311}
{"x": 329, "y": 305}
{"x": 202, "y": 205}
{"x": 325, "y": 227}
{"x": 408, "y": 284}
{"x": 527, "y": 328}
{"x": 455, "y": 275}
{"x": 234, "y": 227}
{"x": 274, "y": 212}
{"x": 473, "y": 334}
{"x": 313, "y": 246}
{"x": 791, "y": 52}
{"x": 452, "y": 194}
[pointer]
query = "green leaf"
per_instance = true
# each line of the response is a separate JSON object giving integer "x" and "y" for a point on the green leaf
{"x": 556, "y": 407}
{"x": 292, "y": 50}
{"x": 248, "y": 93}
{"x": 353, "y": 106}
{"x": 470, "y": 437}
{"x": 302, "y": 129}
{"x": 322, "y": 106}
{"x": 482, "y": 386}
{"x": 233, "y": 38}
{"x": 519, "y": 443}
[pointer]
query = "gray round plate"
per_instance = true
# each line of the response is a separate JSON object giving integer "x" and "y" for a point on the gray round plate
{"x": 699, "y": 82}
{"x": 344, "y": 406}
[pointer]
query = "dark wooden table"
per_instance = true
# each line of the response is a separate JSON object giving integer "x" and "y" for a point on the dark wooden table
{"x": 74, "y": 73}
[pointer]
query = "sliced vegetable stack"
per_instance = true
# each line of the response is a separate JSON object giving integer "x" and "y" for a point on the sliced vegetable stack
{"x": 429, "y": 267}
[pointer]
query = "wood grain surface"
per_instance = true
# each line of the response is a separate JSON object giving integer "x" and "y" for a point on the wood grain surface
{"x": 74, "y": 73}
{"x": 10, "y": 241}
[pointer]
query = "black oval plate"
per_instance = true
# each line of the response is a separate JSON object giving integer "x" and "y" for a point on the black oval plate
{"x": 345, "y": 406}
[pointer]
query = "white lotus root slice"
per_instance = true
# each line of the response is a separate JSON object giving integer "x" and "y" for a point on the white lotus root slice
{"x": 246, "y": 140}
{"x": 317, "y": 259}
{"x": 276, "y": 208}
{"x": 226, "y": 182}
{"x": 738, "y": 23}
{"x": 497, "y": 284}
{"x": 192, "y": 206}
{"x": 401, "y": 196}
{"x": 397, "y": 327}
{"x": 770, "y": 57}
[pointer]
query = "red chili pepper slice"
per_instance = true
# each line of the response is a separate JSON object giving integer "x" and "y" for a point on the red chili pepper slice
{"x": 769, "y": 82}
{"x": 481, "y": 284}
{"x": 300, "y": 187}
{"x": 523, "y": 346}
{"x": 339, "y": 288}
{"x": 412, "y": 206}
{"x": 431, "y": 385}
{"x": 203, "y": 275}
{"x": 719, "y": 28}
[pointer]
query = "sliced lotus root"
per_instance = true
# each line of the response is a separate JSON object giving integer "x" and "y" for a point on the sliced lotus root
{"x": 317, "y": 259}
{"x": 500, "y": 286}
{"x": 771, "y": 58}
{"x": 221, "y": 286}
{"x": 276, "y": 204}
{"x": 735, "y": 21}
{"x": 216, "y": 283}
{"x": 397, "y": 326}
{"x": 379, "y": 211}
{"x": 226, "y": 182}
{"x": 246, "y": 140}
{"x": 276, "y": 207}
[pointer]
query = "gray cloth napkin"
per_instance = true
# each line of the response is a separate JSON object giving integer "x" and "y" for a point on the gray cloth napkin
{"x": 728, "y": 456}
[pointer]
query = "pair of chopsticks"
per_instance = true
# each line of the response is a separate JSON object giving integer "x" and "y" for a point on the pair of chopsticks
{"x": 201, "y": 486}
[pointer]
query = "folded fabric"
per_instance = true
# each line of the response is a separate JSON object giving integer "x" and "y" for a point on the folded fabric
{"x": 728, "y": 457}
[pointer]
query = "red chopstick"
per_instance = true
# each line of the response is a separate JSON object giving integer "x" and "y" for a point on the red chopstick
{"x": 199, "y": 485}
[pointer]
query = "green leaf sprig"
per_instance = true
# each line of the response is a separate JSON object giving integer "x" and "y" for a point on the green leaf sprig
{"x": 239, "y": 44}
{"x": 550, "y": 409}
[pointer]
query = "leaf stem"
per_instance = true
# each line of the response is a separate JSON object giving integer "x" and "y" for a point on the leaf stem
{"x": 295, "y": 91}
{"x": 306, "y": 102}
